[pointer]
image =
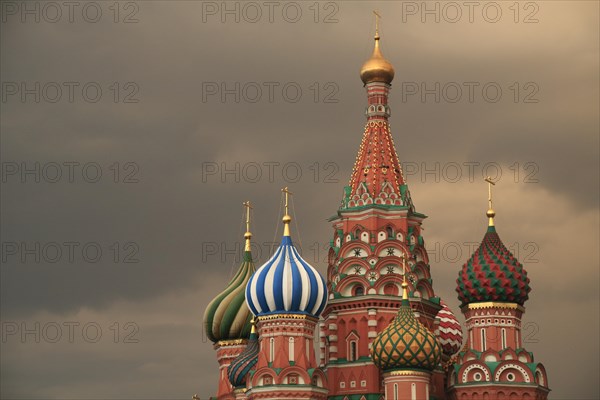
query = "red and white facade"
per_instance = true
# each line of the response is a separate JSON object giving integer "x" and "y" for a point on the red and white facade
{"x": 377, "y": 243}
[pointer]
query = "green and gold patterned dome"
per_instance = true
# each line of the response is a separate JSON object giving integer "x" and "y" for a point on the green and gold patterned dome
{"x": 227, "y": 316}
{"x": 405, "y": 343}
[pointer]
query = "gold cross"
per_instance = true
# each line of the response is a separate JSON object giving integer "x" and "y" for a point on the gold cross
{"x": 248, "y": 235}
{"x": 490, "y": 183}
{"x": 248, "y": 208}
{"x": 287, "y": 193}
{"x": 377, "y": 16}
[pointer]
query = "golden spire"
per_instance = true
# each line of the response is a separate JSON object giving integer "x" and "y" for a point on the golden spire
{"x": 253, "y": 324}
{"x": 377, "y": 68}
{"x": 490, "y": 212}
{"x": 286, "y": 217}
{"x": 247, "y": 235}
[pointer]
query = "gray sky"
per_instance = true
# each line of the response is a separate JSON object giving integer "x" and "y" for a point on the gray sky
{"x": 164, "y": 135}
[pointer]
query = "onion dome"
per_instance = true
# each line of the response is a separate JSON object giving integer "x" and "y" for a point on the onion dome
{"x": 449, "y": 331}
{"x": 286, "y": 284}
{"x": 245, "y": 361}
{"x": 377, "y": 68}
{"x": 227, "y": 317}
{"x": 492, "y": 274}
{"x": 406, "y": 343}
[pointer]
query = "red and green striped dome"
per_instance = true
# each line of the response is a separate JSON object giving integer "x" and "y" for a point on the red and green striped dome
{"x": 492, "y": 274}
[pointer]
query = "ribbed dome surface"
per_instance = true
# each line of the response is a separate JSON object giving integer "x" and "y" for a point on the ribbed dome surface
{"x": 286, "y": 284}
{"x": 406, "y": 344}
{"x": 227, "y": 317}
{"x": 240, "y": 367}
{"x": 449, "y": 331}
{"x": 492, "y": 274}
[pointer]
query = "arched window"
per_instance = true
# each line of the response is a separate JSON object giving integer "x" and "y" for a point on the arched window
{"x": 352, "y": 356}
{"x": 390, "y": 232}
{"x": 291, "y": 349}
{"x": 395, "y": 391}
{"x": 359, "y": 290}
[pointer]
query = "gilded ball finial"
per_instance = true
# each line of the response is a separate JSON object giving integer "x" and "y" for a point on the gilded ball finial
{"x": 490, "y": 212}
{"x": 377, "y": 68}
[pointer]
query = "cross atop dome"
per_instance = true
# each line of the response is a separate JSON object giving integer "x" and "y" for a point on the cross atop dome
{"x": 247, "y": 235}
{"x": 286, "y": 283}
{"x": 286, "y": 216}
{"x": 377, "y": 68}
{"x": 377, "y": 177}
{"x": 490, "y": 212}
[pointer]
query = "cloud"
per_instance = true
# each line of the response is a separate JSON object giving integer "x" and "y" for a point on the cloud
{"x": 184, "y": 215}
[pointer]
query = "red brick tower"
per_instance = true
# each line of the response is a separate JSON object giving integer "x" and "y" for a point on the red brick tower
{"x": 493, "y": 287}
{"x": 287, "y": 295}
{"x": 375, "y": 228}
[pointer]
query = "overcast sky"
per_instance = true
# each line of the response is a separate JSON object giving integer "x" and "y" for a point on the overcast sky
{"x": 129, "y": 144}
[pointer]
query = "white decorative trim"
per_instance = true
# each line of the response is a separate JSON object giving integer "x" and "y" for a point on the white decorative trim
{"x": 515, "y": 366}
{"x": 475, "y": 366}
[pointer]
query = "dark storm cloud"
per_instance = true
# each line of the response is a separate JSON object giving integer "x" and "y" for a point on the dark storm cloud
{"x": 178, "y": 133}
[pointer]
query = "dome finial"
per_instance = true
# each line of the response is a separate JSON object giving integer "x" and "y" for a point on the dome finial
{"x": 247, "y": 235}
{"x": 286, "y": 217}
{"x": 377, "y": 16}
{"x": 377, "y": 68}
{"x": 490, "y": 212}
{"x": 404, "y": 284}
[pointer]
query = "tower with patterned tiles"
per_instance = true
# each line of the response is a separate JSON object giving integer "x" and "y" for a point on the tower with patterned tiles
{"x": 287, "y": 295}
{"x": 375, "y": 228}
{"x": 493, "y": 287}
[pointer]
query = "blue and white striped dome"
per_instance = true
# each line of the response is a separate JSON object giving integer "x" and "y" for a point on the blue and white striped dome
{"x": 286, "y": 284}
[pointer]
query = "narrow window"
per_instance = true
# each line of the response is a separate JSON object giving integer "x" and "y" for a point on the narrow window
{"x": 483, "y": 344}
{"x": 352, "y": 351}
{"x": 271, "y": 349}
{"x": 503, "y": 338}
{"x": 395, "y": 391}
{"x": 291, "y": 349}
{"x": 307, "y": 348}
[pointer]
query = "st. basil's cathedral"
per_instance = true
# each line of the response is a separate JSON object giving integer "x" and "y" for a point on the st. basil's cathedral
{"x": 383, "y": 333}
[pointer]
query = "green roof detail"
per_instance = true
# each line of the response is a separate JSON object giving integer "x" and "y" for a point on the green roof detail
{"x": 227, "y": 316}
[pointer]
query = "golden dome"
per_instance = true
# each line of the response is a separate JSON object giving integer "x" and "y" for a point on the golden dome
{"x": 377, "y": 68}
